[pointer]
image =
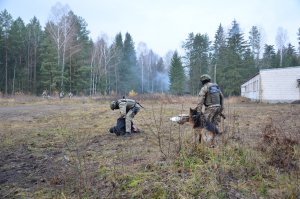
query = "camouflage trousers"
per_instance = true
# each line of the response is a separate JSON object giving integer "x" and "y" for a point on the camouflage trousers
{"x": 212, "y": 114}
{"x": 129, "y": 115}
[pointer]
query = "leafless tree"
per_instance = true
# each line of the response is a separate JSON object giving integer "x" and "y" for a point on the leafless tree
{"x": 255, "y": 41}
{"x": 153, "y": 69}
{"x": 93, "y": 57}
{"x": 281, "y": 39}
{"x": 101, "y": 64}
{"x": 298, "y": 34}
{"x": 61, "y": 28}
{"x": 142, "y": 50}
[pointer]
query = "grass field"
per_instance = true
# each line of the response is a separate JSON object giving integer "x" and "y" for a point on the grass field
{"x": 62, "y": 149}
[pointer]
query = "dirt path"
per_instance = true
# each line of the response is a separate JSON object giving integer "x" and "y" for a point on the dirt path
{"x": 29, "y": 112}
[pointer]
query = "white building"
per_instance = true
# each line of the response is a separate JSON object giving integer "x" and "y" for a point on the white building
{"x": 273, "y": 85}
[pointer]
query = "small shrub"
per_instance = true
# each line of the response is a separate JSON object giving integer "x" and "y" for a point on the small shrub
{"x": 278, "y": 147}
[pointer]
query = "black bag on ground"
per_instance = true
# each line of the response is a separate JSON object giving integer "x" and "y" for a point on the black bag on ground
{"x": 120, "y": 128}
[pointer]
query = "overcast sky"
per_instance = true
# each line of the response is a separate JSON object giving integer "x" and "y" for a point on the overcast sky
{"x": 164, "y": 24}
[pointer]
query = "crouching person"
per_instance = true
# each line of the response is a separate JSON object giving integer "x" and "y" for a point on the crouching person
{"x": 128, "y": 109}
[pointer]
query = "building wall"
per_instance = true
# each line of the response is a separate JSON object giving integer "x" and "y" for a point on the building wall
{"x": 250, "y": 89}
{"x": 273, "y": 85}
{"x": 280, "y": 85}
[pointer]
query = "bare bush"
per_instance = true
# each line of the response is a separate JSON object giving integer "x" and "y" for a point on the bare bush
{"x": 278, "y": 147}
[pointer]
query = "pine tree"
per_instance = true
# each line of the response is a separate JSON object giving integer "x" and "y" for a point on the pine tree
{"x": 219, "y": 54}
{"x": 17, "y": 49}
{"x": 248, "y": 69}
{"x": 129, "y": 71}
{"x": 77, "y": 56}
{"x": 197, "y": 49}
{"x": 176, "y": 75}
{"x": 200, "y": 55}
{"x": 290, "y": 56}
{"x": 188, "y": 46}
{"x": 269, "y": 57}
{"x": 236, "y": 49}
{"x": 33, "y": 45}
{"x": 5, "y": 24}
{"x": 50, "y": 72}
{"x": 116, "y": 63}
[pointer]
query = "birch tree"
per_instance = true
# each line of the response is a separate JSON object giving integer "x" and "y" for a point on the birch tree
{"x": 102, "y": 64}
{"x": 142, "y": 51}
{"x": 61, "y": 28}
{"x": 281, "y": 39}
{"x": 254, "y": 40}
{"x": 298, "y": 39}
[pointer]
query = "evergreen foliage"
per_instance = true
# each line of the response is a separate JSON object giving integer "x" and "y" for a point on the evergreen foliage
{"x": 6, "y": 60}
{"x": 176, "y": 75}
{"x": 198, "y": 48}
{"x": 269, "y": 57}
{"x": 62, "y": 57}
{"x": 128, "y": 70}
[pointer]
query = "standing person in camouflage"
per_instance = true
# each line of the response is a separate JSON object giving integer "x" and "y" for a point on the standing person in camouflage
{"x": 212, "y": 98}
{"x": 128, "y": 109}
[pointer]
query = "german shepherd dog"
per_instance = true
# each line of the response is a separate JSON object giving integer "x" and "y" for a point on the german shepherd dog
{"x": 204, "y": 131}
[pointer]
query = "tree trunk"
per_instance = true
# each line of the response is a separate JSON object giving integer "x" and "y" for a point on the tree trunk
{"x": 13, "y": 86}
{"x": 142, "y": 74}
{"x": 70, "y": 88}
{"x": 6, "y": 71}
{"x": 34, "y": 69}
{"x": 28, "y": 65}
{"x": 116, "y": 76}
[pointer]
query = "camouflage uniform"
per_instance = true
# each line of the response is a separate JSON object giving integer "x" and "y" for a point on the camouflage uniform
{"x": 212, "y": 98}
{"x": 128, "y": 109}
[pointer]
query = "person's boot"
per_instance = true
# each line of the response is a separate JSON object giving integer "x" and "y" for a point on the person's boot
{"x": 123, "y": 133}
{"x": 127, "y": 134}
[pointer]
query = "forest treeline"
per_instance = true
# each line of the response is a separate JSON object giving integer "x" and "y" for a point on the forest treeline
{"x": 62, "y": 57}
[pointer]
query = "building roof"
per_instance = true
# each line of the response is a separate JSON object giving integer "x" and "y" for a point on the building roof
{"x": 250, "y": 78}
{"x": 284, "y": 68}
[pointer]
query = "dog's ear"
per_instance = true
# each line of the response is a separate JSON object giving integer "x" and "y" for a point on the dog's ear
{"x": 192, "y": 109}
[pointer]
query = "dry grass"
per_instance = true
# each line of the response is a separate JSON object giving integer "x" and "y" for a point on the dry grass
{"x": 237, "y": 100}
{"x": 62, "y": 149}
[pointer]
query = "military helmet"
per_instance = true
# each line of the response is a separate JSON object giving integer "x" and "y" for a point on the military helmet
{"x": 113, "y": 105}
{"x": 205, "y": 77}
